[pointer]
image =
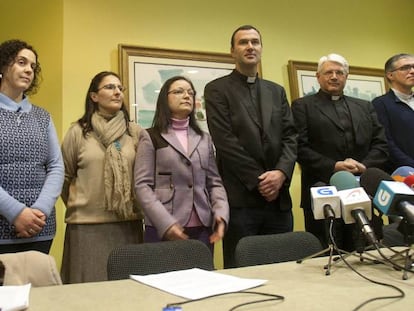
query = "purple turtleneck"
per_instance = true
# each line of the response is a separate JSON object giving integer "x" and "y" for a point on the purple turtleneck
{"x": 180, "y": 128}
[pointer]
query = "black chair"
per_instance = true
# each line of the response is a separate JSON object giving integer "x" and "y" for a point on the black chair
{"x": 273, "y": 248}
{"x": 393, "y": 237}
{"x": 149, "y": 258}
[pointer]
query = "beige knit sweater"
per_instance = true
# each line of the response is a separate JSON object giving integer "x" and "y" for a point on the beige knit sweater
{"x": 83, "y": 189}
{"x": 30, "y": 267}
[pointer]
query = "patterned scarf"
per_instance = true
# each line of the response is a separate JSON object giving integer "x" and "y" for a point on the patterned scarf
{"x": 118, "y": 195}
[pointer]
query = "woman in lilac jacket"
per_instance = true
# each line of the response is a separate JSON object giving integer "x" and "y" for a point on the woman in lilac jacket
{"x": 176, "y": 177}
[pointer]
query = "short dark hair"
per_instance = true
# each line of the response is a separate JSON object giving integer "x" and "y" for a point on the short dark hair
{"x": 244, "y": 27}
{"x": 8, "y": 53}
{"x": 162, "y": 116}
{"x": 390, "y": 63}
{"x": 90, "y": 106}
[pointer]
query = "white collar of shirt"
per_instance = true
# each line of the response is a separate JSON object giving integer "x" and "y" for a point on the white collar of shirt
{"x": 408, "y": 99}
{"x": 9, "y": 104}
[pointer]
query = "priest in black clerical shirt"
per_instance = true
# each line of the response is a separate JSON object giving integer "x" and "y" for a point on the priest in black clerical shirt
{"x": 252, "y": 127}
{"x": 336, "y": 133}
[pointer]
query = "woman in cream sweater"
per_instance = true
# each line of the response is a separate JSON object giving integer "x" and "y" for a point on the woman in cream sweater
{"x": 101, "y": 210}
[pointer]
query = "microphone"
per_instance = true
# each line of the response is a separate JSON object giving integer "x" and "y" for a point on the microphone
{"x": 363, "y": 223}
{"x": 351, "y": 195}
{"x": 408, "y": 211}
{"x": 402, "y": 172}
{"x": 355, "y": 203}
{"x": 356, "y": 207}
{"x": 352, "y": 199}
{"x": 325, "y": 201}
{"x": 390, "y": 197}
{"x": 409, "y": 181}
{"x": 371, "y": 178}
{"x": 344, "y": 180}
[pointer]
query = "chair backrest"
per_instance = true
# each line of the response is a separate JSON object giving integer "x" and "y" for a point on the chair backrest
{"x": 273, "y": 248}
{"x": 149, "y": 258}
{"x": 33, "y": 267}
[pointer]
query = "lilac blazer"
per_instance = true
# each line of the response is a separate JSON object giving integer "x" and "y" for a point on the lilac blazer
{"x": 169, "y": 181}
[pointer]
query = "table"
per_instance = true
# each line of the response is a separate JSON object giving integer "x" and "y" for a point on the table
{"x": 304, "y": 286}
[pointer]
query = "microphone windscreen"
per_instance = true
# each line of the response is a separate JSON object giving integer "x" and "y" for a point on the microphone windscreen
{"x": 343, "y": 180}
{"x": 319, "y": 184}
{"x": 371, "y": 178}
{"x": 409, "y": 181}
{"x": 403, "y": 171}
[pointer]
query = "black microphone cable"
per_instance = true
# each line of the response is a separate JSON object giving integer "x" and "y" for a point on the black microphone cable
{"x": 274, "y": 297}
{"x": 393, "y": 263}
{"x": 401, "y": 292}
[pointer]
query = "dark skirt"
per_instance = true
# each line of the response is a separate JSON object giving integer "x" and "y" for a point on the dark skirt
{"x": 88, "y": 246}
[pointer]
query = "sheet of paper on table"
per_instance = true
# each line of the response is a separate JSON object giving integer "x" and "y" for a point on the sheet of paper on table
{"x": 197, "y": 283}
{"x": 13, "y": 298}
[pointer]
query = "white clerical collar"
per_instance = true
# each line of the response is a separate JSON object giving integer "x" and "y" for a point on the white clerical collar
{"x": 251, "y": 79}
{"x": 336, "y": 97}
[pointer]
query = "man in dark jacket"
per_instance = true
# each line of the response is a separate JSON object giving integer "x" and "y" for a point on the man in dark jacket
{"x": 396, "y": 110}
{"x": 336, "y": 133}
{"x": 254, "y": 134}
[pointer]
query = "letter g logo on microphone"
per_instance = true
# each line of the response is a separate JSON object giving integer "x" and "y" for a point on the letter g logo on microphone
{"x": 325, "y": 191}
{"x": 384, "y": 197}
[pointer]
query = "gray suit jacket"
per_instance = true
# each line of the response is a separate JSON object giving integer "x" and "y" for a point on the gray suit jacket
{"x": 170, "y": 181}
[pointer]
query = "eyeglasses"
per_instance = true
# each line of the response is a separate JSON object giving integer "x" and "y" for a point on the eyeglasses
{"x": 181, "y": 92}
{"x": 338, "y": 73}
{"x": 404, "y": 68}
{"x": 112, "y": 87}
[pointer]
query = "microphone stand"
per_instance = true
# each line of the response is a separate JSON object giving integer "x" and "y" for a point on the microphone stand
{"x": 408, "y": 232}
{"x": 359, "y": 251}
{"x": 330, "y": 248}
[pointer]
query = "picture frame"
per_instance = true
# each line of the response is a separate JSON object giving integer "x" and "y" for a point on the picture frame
{"x": 144, "y": 70}
{"x": 364, "y": 83}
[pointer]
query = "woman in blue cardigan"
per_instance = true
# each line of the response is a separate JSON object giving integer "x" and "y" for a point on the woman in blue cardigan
{"x": 31, "y": 166}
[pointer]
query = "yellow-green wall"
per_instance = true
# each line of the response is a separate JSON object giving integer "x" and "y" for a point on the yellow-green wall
{"x": 78, "y": 38}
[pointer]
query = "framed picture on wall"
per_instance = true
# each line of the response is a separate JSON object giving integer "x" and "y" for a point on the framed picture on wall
{"x": 144, "y": 70}
{"x": 364, "y": 83}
